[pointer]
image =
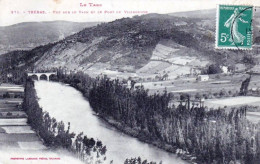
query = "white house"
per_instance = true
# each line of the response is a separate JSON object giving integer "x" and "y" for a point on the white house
{"x": 203, "y": 77}
{"x": 129, "y": 83}
{"x": 224, "y": 69}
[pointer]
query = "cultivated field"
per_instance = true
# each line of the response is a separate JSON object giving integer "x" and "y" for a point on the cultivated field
{"x": 230, "y": 84}
{"x": 215, "y": 84}
{"x": 235, "y": 102}
{"x": 15, "y": 133}
{"x": 173, "y": 60}
{"x": 253, "y": 116}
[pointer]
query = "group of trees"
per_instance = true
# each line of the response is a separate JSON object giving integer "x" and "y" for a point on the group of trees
{"x": 212, "y": 69}
{"x": 56, "y": 135}
{"x": 138, "y": 161}
{"x": 11, "y": 76}
{"x": 212, "y": 136}
{"x": 79, "y": 80}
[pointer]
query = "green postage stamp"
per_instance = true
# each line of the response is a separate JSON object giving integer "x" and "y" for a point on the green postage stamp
{"x": 234, "y": 27}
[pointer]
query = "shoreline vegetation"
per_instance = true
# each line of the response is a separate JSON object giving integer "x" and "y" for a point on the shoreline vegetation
{"x": 134, "y": 133}
{"x": 198, "y": 135}
{"x": 55, "y": 135}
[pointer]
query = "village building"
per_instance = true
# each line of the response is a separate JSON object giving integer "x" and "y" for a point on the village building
{"x": 224, "y": 69}
{"x": 203, "y": 78}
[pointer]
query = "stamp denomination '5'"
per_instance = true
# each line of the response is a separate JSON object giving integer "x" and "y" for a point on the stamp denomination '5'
{"x": 234, "y": 27}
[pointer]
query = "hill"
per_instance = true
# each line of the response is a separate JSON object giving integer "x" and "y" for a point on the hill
{"x": 202, "y": 14}
{"x": 130, "y": 44}
{"x": 25, "y": 36}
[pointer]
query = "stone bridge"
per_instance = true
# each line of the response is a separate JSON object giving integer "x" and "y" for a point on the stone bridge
{"x": 45, "y": 75}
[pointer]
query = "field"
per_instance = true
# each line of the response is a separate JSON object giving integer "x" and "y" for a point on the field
{"x": 172, "y": 59}
{"x": 215, "y": 84}
{"x": 230, "y": 84}
{"x": 4, "y": 122}
{"x": 18, "y": 139}
{"x": 15, "y": 134}
{"x": 237, "y": 101}
{"x": 8, "y": 87}
{"x": 253, "y": 116}
{"x": 233, "y": 101}
{"x": 17, "y": 129}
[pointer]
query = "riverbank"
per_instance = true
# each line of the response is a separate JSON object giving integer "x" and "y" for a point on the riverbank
{"x": 143, "y": 136}
{"x": 71, "y": 106}
{"x": 184, "y": 155}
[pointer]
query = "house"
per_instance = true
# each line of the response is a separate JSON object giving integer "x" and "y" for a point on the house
{"x": 203, "y": 78}
{"x": 129, "y": 84}
{"x": 224, "y": 69}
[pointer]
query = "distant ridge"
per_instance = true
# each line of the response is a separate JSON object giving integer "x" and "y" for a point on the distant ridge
{"x": 27, "y": 35}
{"x": 152, "y": 43}
{"x": 209, "y": 13}
{"x": 48, "y": 22}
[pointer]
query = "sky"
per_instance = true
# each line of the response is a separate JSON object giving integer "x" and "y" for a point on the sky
{"x": 9, "y": 9}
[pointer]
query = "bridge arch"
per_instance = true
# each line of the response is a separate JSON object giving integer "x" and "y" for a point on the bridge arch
{"x": 35, "y": 77}
{"x": 53, "y": 77}
{"x": 43, "y": 77}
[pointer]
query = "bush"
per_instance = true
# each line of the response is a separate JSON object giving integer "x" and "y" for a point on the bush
{"x": 215, "y": 94}
{"x": 213, "y": 69}
{"x": 9, "y": 114}
{"x": 6, "y": 95}
{"x": 222, "y": 93}
{"x": 138, "y": 161}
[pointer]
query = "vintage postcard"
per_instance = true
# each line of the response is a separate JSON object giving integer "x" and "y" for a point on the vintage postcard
{"x": 129, "y": 82}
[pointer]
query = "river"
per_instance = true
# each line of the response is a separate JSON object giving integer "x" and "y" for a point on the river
{"x": 68, "y": 105}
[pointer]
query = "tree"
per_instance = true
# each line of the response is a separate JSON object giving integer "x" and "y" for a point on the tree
{"x": 213, "y": 69}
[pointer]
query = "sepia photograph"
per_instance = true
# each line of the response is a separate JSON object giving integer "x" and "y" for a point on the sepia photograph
{"x": 129, "y": 82}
